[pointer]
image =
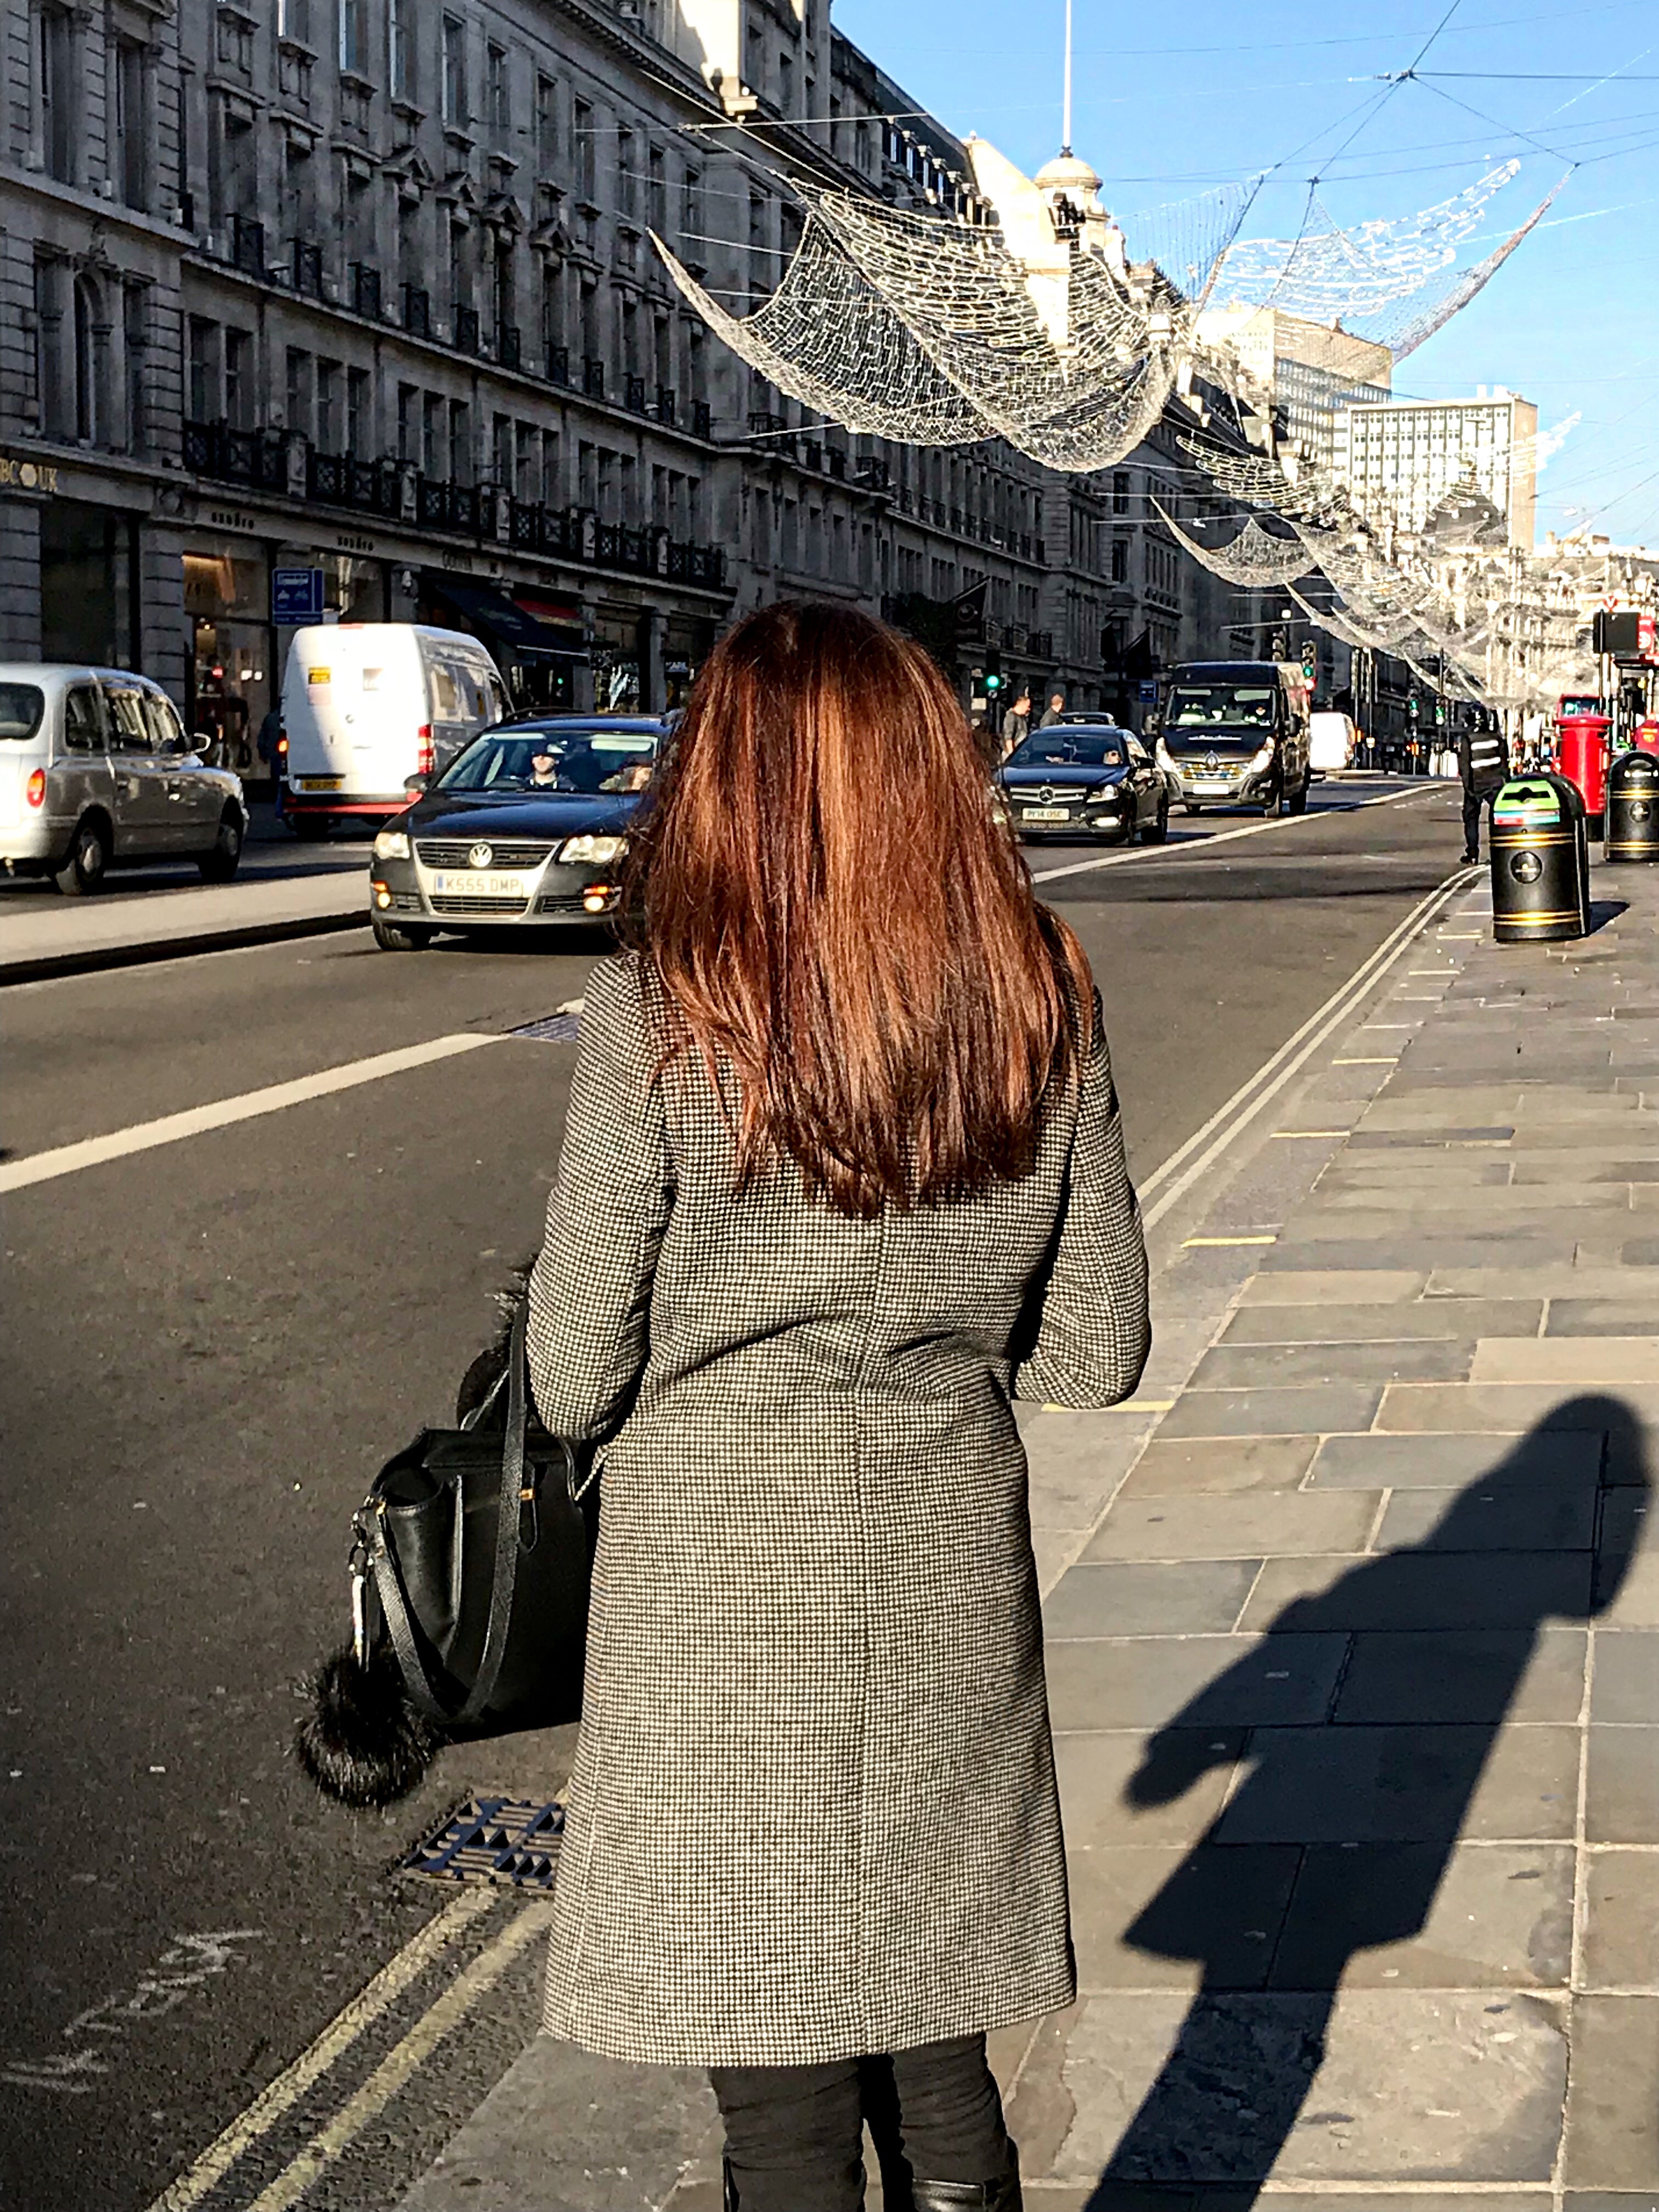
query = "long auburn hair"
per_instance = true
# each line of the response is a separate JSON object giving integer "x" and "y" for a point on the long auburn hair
{"x": 838, "y": 920}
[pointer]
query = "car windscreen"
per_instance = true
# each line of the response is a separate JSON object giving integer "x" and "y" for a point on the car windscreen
{"x": 22, "y": 706}
{"x": 1218, "y": 714}
{"x": 1060, "y": 747}
{"x": 592, "y": 762}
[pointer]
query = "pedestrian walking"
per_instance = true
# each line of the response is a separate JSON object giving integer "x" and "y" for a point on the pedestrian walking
{"x": 1480, "y": 769}
{"x": 269, "y": 744}
{"x": 1053, "y": 711}
{"x": 842, "y": 1175}
{"x": 1017, "y": 723}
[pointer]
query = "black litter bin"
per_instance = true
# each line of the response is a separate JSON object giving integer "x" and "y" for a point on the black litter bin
{"x": 1540, "y": 861}
{"x": 1633, "y": 808}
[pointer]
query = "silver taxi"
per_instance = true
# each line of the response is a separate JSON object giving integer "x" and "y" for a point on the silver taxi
{"x": 96, "y": 770}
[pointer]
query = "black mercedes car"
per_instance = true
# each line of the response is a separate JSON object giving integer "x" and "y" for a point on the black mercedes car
{"x": 1076, "y": 780}
{"x": 525, "y": 829}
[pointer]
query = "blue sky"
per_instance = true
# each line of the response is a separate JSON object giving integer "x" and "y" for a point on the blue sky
{"x": 1166, "y": 101}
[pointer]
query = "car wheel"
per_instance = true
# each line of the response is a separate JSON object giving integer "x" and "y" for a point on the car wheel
{"x": 394, "y": 937}
{"x": 1155, "y": 832}
{"x": 311, "y": 828}
{"x": 84, "y": 867}
{"x": 219, "y": 863}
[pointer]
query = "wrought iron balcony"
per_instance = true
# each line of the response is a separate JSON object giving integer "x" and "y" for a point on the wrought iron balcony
{"x": 593, "y": 376}
{"x": 703, "y": 424}
{"x": 836, "y": 461}
{"x": 417, "y": 310}
{"x": 258, "y": 458}
{"x": 665, "y": 407}
{"x": 558, "y": 365}
{"x": 634, "y": 394}
{"x": 509, "y": 345}
{"x": 342, "y": 480}
{"x": 466, "y": 330}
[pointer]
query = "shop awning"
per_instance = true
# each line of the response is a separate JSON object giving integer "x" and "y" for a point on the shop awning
{"x": 501, "y": 621}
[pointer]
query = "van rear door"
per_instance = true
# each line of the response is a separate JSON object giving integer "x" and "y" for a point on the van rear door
{"x": 319, "y": 744}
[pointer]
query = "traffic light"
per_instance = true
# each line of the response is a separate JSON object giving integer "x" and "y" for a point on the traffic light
{"x": 1411, "y": 707}
{"x": 1309, "y": 659}
{"x": 993, "y": 673}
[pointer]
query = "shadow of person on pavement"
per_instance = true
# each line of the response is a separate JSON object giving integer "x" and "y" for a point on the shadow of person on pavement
{"x": 1358, "y": 1778}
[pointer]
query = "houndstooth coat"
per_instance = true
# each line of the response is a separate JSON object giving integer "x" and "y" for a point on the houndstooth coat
{"x": 813, "y": 1813}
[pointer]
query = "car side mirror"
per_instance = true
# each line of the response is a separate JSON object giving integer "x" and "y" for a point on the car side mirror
{"x": 414, "y": 785}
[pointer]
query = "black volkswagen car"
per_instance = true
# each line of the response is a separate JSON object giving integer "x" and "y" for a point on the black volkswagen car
{"x": 1084, "y": 779}
{"x": 525, "y": 829}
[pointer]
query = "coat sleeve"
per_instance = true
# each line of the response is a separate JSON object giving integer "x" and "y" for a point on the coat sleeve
{"x": 1089, "y": 1334}
{"x": 590, "y": 1290}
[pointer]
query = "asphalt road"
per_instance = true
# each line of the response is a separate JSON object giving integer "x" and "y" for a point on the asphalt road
{"x": 213, "y": 1345}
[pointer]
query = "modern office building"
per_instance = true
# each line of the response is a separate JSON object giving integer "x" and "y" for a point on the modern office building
{"x": 1401, "y": 458}
{"x": 1303, "y": 372}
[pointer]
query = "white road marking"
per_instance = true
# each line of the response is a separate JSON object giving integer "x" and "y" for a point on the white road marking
{"x": 1193, "y": 1159}
{"x": 143, "y": 1136}
{"x": 399, "y": 2065}
{"x": 286, "y": 2091}
{"x": 1205, "y": 841}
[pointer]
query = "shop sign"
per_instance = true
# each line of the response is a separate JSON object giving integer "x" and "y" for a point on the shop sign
{"x": 347, "y": 543}
{"x": 27, "y": 475}
{"x": 296, "y": 596}
{"x": 228, "y": 517}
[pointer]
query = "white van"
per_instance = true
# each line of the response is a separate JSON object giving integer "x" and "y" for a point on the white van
{"x": 1332, "y": 739}
{"x": 366, "y": 705}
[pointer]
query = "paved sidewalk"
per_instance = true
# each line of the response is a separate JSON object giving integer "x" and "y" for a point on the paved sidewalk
{"x": 283, "y": 888}
{"x": 1353, "y": 1653}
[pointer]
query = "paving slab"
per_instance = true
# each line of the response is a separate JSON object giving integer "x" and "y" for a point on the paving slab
{"x": 1205, "y": 1681}
{"x": 1420, "y": 1588}
{"x": 1225, "y": 1465}
{"x": 1318, "y": 1286}
{"x": 1469, "y": 1674}
{"x": 1641, "y": 1286}
{"x": 1625, "y": 1688}
{"x": 1532, "y": 1519}
{"x": 1621, "y": 1795}
{"x": 1590, "y": 1362}
{"x": 1251, "y": 1527}
{"x": 1269, "y": 1413}
{"x": 1234, "y": 1367}
{"x": 1446, "y": 1460}
{"x": 1414, "y": 2086}
{"x": 1612, "y": 2108}
{"x": 1403, "y": 1321}
{"x": 1569, "y": 1316}
{"x": 1621, "y": 1945}
{"x": 1147, "y": 1598}
{"x": 1228, "y": 1901}
{"x": 1411, "y": 1784}
{"x": 1499, "y": 1916}
{"x": 1506, "y": 1408}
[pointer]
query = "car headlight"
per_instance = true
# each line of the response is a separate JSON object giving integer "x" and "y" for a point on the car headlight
{"x": 1262, "y": 758}
{"x": 1164, "y": 758}
{"x": 601, "y": 850}
{"x": 392, "y": 845}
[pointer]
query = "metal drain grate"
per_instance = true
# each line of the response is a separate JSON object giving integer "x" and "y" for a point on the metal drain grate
{"x": 553, "y": 1028}
{"x": 511, "y": 1840}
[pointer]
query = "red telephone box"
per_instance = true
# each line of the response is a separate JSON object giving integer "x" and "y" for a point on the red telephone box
{"x": 1581, "y": 754}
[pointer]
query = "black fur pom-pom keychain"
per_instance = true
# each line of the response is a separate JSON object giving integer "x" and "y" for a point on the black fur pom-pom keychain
{"x": 363, "y": 1742}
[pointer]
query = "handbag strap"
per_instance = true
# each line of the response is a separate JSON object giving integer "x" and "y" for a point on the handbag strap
{"x": 515, "y": 1494}
{"x": 512, "y": 1499}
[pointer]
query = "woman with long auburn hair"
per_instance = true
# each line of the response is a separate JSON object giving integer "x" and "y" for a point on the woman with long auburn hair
{"x": 842, "y": 1177}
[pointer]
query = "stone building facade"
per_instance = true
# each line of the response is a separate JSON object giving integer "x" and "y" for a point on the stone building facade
{"x": 367, "y": 286}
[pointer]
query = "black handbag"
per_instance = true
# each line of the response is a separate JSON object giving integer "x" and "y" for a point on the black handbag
{"x": 469, "y": 1576}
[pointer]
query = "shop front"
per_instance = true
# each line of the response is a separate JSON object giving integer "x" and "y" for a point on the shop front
{"x": 232, "y": 681}
{"x": 89, "y": 584}
{"x": 535, "y": 635}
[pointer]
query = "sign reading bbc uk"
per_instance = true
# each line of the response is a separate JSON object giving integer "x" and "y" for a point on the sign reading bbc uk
{"x": 296, "y": 596}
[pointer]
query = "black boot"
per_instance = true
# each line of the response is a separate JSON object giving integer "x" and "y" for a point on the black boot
{"x": 1002, "y": 2195}
{"x": 728, "y": 2187}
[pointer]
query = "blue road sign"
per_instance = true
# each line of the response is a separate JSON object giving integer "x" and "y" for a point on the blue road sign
{"x": 296, "y": 595}
{"x": 1148, "y": 692}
